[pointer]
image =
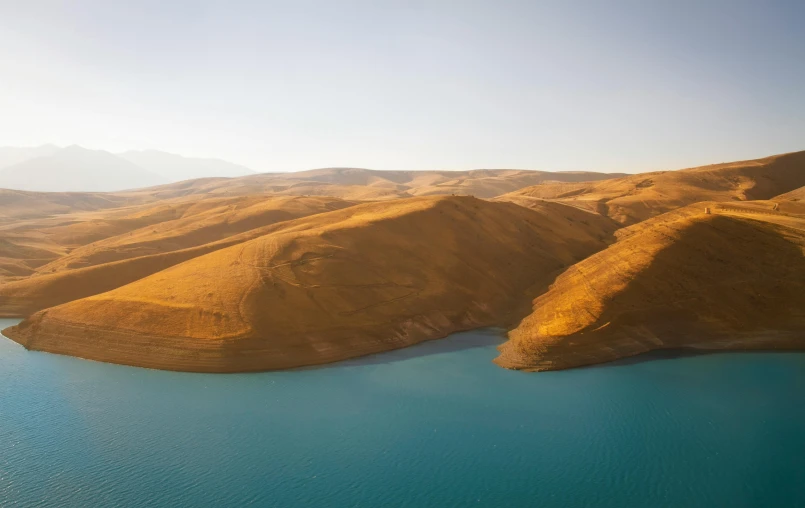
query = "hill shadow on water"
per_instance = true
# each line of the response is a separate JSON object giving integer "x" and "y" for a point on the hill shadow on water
{"x": 456, "y": 342}
{"x": 681, "y": 353}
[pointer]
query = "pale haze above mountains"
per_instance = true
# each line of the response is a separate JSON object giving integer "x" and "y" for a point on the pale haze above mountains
{"x": 49, "y": 168}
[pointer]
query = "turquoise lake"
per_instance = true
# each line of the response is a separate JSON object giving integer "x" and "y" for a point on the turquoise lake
{"x": 435, "y": 425}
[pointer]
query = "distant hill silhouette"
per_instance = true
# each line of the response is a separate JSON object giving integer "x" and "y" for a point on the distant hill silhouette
{"x": 10, "y": 155}
{"x": 176, "y": 168}
{"x": 168, "y": 167}
{"x": 77, "y": 169}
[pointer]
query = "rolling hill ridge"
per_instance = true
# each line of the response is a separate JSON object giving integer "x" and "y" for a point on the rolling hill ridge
{"x": 331, "y": 286}
{"x": 635, "y": 198}
{"x": 730, "y": 279}
{"x": 271, "y": 271}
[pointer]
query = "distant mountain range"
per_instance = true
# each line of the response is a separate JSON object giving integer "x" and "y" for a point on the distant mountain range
{"x": 49, "y": 168}
{"x": 10, "y": 155}
{"x": 53, "y": 169}
{"x": 176, "y": 168}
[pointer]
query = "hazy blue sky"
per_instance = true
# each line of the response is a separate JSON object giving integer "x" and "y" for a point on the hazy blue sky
{"x": 599, "y": 85}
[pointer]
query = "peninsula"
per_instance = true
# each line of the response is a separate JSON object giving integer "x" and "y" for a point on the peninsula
{"x": 253, "y": 273}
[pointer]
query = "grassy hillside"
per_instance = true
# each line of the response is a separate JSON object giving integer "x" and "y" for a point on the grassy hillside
{"x": 634, "y": 198}
{"x": 335, "y": 285}
{"x": 732, "y": 279}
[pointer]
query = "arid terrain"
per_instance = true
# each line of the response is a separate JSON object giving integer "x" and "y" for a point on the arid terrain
{"x": 270, "y": 271}
{"x": 334, "y": 285}
{"x": 635, "y": 198}
{"x": 733, "y": 278}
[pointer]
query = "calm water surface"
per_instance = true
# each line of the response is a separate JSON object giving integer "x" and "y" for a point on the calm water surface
{"x": 435, "y": 425}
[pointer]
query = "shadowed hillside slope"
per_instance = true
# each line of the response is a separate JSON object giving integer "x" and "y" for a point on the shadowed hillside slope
{"x": 637, "y": 197}
{"x": 336, "y": 285}
{"x": 728, "y": 280}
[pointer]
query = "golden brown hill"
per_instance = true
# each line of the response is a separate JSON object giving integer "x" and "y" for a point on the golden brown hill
{"x": 364, "y": 279}
{"x": 367, "y": 184}
{"x": 728, "y": 280}
{"x": 202, "y": 221}
{"x": 202, "y": 226}
{"x": 28, "y": 244}
{"x": 20, "y": 298}
{"x": 345, "y": 183}
{"x": 637, "y": 197}
{"x": 37, "y": 241}
{"x": 792, "y": 202}
{"x": 794, "y": 195}
{"x": 20, "y": 259}
{"x": 18, "y": 205}
{"x": 48, "y": 232}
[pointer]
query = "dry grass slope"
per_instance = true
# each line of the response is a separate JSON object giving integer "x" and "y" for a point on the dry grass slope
{"x": 327, "y": 287}
{"x": 175, "y": 232}
{"x": 728, "y": 280}
{"x": 252, "y": 273}
{"x": 367, "y": 184}
{"x": 638, "y": 197}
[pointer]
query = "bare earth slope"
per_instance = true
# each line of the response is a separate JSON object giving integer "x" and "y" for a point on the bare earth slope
{"x": 336, "y": 285}
{"x": 638, "y": 197}
{"x": 729, "y": 280}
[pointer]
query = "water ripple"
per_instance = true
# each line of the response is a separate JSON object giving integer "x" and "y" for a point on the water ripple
{"x": 436, "y": 425}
